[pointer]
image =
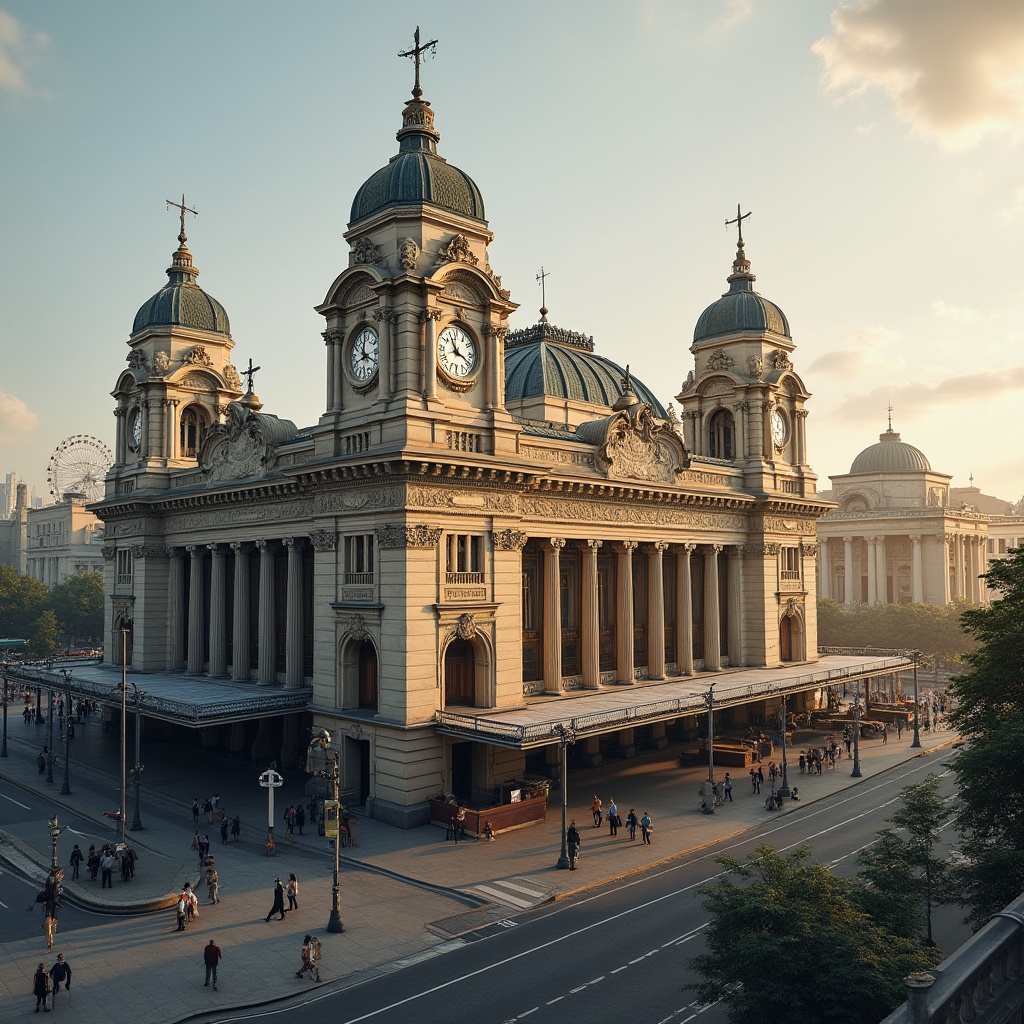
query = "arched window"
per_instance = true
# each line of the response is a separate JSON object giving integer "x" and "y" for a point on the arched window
{"x": 191, "y": 428}
{"x": 720, "y": 435}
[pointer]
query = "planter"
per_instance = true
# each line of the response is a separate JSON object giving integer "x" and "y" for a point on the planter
{"x": 503, "y": 817}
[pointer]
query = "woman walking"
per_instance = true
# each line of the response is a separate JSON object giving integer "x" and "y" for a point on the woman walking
{"x": 293, "y": 892}
{"x": 41, "y": 987}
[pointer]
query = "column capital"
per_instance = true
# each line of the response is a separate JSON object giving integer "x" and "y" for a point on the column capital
{"x": 595, "y": 544}
{"x": 557, "y": 543}
{"x": 689, "y": 548}
{"x": 713, "y": 549}
{"x": 215, "y": 549}
{"x": 431, "y": 313}
{"x": 292, "y": 542}
{"x": 195, "y": 550}
{"x": 660, "y": 545}
{"x": 332, "y": 336}
{"x": 916, "y": 538}
{"x": 629, "y": 545}
{"x": 848, "y": 540}
{"x": 263, "y": 545}
{"x": 237, "y": 546}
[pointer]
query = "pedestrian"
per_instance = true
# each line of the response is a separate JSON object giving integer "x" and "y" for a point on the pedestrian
{"x": 572, "y": 841}
{"x": 204, "y": 849}
{"x": 107, "y": 862}
{"x": 195, "y": 840}
{"x": 646, "y": 828}
{"x": 753, "y": 780}
{"x": 195, "y": 811}
{"x": 212, "y": 884}
{"x": 728, "y": 788}
{"x": 60, "y": 974}
{"x": 595, "y": 808}
{"x": 216, "y": 802}
{"x": 613, "y": 817}
{"x": 182, "y": 910}
{"x": 760, "y": 778}
{"x": 310, "y": 953}
{"x": 899, "y": 728}
{"x": 803, "y": 762}
{"x": 208, "y": 810}
{"x": 236, "y": 827}
{"x": 848, "y": 740}
{"x": 278, "y": 907}
{"x": 93, "y": 862}
{"x": 289, "y": 822}
{"x": 293, "y": 892}
{"x": 41, "y": 759}
{"x": 885, "y": 734}
{"x": 41, "y": 987}
{"x": 631, "y": 823}
{"x": 192, "y": 909}
{"x": 772, "y": 772}
{"x": 211, "y": 957}
{"x": 224, "y": 830}
{"x": 300, "y": 818}
{"x": 75, "y": 862}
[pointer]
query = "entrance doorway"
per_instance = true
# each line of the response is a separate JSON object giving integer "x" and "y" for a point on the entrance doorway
{"x": 462, "y": 771}
{"x": 367, "y": 676}
{"x": 459, "y": 674}
{"x": 786, "y": 639}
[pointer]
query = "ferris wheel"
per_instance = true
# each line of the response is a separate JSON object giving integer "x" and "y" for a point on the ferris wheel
{"x": 79, "y": 464}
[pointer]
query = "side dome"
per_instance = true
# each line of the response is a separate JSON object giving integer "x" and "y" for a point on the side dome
{"x": 417, "y": 174}
{"x": 891, "y": 455}
{"x": 740, "y": 308}
{"x": 556, "y": 363}
{"x": 181, "y": 302}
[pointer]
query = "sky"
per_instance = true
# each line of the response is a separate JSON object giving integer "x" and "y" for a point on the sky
{"x": 879, "y": 145}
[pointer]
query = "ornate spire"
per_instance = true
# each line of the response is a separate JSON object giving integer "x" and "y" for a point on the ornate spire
{"x": 741, "y": 265}
{"x": 628, "y": 397}
{"x": 542, "y": 274}
{"x": 181, "y": 270}
{"x": 417, "y": 118}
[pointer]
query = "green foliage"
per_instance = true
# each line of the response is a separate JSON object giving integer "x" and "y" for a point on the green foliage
{"x": 935, "y": 631}
{"x": 22, "y": 599}
{"x": 789, "y": 943}
{"x": 43, "y": 639}
{"x": 78, "y": 604}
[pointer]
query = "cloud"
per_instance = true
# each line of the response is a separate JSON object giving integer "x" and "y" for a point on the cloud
{"x": 954, "y": 69}
{"x": 861, "y": 352}
{"x": 913, "y": 397}
{"x": 958, "y": 314}
{"x": 15, "y": 416}
{"x": 19, "y": 49}
{"x": 735, "y": 12}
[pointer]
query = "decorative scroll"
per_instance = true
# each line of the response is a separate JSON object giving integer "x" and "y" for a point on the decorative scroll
{"x": 198, "y": 356}
{"x": 781, "y": 361}
{"x": 719, "y": 360}
{"x": 509, "y": 540}
{"x": 408, "y": 250}
{"x": 457, "y": 251}
{"x": 363, "y": 252}
{"x": 243, "y": 447}
{"x": 408, "y": 536}
{"x": 632, "y": 444}
{"x": 465, "y": 628}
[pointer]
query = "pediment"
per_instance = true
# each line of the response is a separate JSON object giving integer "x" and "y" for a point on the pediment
{"x": 634, "y": 444}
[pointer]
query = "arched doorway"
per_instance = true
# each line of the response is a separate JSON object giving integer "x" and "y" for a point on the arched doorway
{"x": 786, "y": 638}
{"x": 459, "y": 674}
{"x": 367, "y": 674}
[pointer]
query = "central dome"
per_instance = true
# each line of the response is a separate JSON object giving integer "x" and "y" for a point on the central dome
{"x": 417, "y": 174}
{"x": 891, "y": 455}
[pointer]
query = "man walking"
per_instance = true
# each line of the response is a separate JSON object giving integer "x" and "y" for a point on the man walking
{"x": 278, "y": 907}
{"x": 572, "y": 841}
{"x": 613, "y": 817}
{"x": 60, "y": 974}
{"x": 76, "y": 861}
{"x": 211, "y": 957}
{"x": 107, "y": 862}
{"x": 646, "y": 827}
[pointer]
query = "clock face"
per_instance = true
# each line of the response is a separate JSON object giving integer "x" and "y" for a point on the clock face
{"x": 778, "y": 428}
{"x": 457, "y": 353}
{"x": 364, "y": 356}
{"x": 135, "y": 430}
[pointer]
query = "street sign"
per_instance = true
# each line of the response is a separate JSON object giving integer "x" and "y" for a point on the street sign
{"x": 271, "y": 779}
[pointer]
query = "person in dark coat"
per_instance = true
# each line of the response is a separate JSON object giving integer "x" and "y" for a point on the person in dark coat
{"x": 278, "y": 907}
{"x": 41, "y": 987}
{"x": 572, "y": 840}
{"x": 76, "y": 860}
{"x": 60, "y": 972}
{"x": 236, "y": 827}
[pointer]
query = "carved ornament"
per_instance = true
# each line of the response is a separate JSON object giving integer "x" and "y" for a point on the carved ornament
{"x": 718, "y": 360}
{"x": 108, "y": 554}
{"x": 687, "y": 384}
{"x": 509, "y": 540}
{"x": 243, "y": 446}
{"x": 355, "y": 627}
{"x": 457, "y": 251}
{"x": 198, "y": 356}
{"x": 465, "y": 628}
{"x": 137, "y": 360}
{"x": 632, "y": 444}
{"x": 408, "y": 536}
{"x": 387, "y": 313}
{"x": 781, "y": 361}
{"x": 755, "y": 367}
{"x": 323, "y": 540}
{"x": 363, "y": 252}
{"x": 231, "y": 376}
{"x": 408, "y": 250}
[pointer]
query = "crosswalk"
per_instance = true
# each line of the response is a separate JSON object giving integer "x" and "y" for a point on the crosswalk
{"x": 517, "y": 893}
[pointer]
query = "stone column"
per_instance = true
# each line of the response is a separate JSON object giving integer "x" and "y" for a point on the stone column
{"x": 218, "y": 612}
{"x": 553, "y": 616}
{"x": 240, "y": 624}
{"x": 712, "y": 620}
{"x": 294, "y": 675}
{"x": 493, "y": 367}
{"x": 848, "y": 570}
{"x": 944, "y": 543}
{"x": 120, "y": 436}
{"x": 917, "y": 572}
{"x": 880, "y": 573}
{"x": 684, "y": 610}
{"x": 590, "y": 627}
{"x": 176, "y": 611}
{"x": 384, "y": 317}
{"x": 266, "y": 670}
{"x": 958, "y": 565}
{"x": 430, "y": 318}
{"x": 196, "y": 615}
{"x": 872, "y": 571}
{"x": 824, "y": 571}
{"x": 656, "y": 610}
{"x": 735, "y": 584}
{"x": 624, "y": 609}
{"x": 740, "y": 428}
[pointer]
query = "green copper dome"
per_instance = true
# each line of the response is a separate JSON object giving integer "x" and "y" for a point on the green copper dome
{"x": 181, "y": 302}
{"x": 740, "y": 308}
{"x": 551, "y": 361}
{"x": 417, "y": 174}
{"x": 891, "y": 455}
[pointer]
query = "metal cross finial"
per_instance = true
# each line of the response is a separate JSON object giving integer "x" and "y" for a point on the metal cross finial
{"x": 249, "y": 374}
{"x": 184, "y": 209}
{"x": 890, "y": 416}
{"x": 541, "y": 275}
{"x": 415, "y": 53}
{"x": 738, "y": 221}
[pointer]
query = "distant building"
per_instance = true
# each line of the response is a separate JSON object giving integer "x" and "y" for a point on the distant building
{"x": 12, "y": 529}
{"x": 62, "y": 540}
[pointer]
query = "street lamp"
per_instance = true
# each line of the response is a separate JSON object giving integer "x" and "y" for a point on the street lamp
{"x": 856, "y": 773}
{"x": 916, "y": 655}
{"x": 565, "y": 736}
{"x": 65, "y": 789}
{"x": 3, "y": 669}
{"x": 322, "y": 741}
{"x": 123, "y": 813}
{"x": 49, "y": 742}
{"x": 784, "y": 791}
{"x": 709, "y": 788}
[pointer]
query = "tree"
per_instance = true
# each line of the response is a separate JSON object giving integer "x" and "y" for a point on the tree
{"x": 791, "y": 944}
{"x": 907, "y": 878}
{"x": 45, "y": 632}
{"x": 21, "y": 601}
{"x": 987, "y": 710}
{"x": 78, "y": 604}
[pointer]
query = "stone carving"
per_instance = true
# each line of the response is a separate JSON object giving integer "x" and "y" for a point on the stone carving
{"x": 718, "y": 360}
{"x": 198, "y": 356}
{"x": 231, "y": 376}
{"x": 199, "y": 381}
{"x": 363, "y": 252}
{"x": 761, "y": 550}
{"x": 243, "y": 446}
{"x": 108, "y": 554}
{"x": 335, "y": 501}
{"x": 356, "y": 628}
{"x": 687, "y": 384}
{"x": 161, "y": 363}
{"x": 360, "y": 292}
{"x": 811, "y": 550}
{"x": 332, "y": 336}
{"x": 408, "y": 536}
{"x": 408, "y": 250}
{"x": 633, "y": 444}
{"x": 496, "y": 330}
{"x": 780, "y": 360}
{"x": 387, "y": 313}
{"x": 323, "y": 540}
{"x": 620, "y": 512}
{"x": 755, "y": 366}
{"x": 556, "y": 455}
{"x": 431, "y": 313}
{"x": 460, "y": 291}
{"x": 140, "y": 551}
{"x": 465, "y": 628}
{"x": 137, "y": 360}
{"x": 457, "y": 251}
{"x": 509, "y": 540}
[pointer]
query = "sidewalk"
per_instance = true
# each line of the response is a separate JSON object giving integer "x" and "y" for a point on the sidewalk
{"x": 459, "y": 887}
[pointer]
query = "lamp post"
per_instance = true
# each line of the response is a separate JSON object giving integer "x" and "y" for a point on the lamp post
{"x": 3, "y": 669}
{"x": 123, "y": 811}
{"x": 709, "y": 787}
{"x": 49, "y": 741}
{"x": 856, "y": 773}
{"x": 139, "y": 766}
{"x": 65, "y": 789}
{"x": 321, "y": 741}
{"x": 784, "y": 791}
{"x": 565, "y": 737}
{"x": 916, "y": 655}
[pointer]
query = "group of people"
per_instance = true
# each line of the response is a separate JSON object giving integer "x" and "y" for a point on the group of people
{"x": 46, "y": 984}
{"x": 632, "y": 822}
{"x": 291, "y": 890}
{"x": 213, "y": 954}
{"x": 104, "y": 861}
{"x": 294, "y": 818}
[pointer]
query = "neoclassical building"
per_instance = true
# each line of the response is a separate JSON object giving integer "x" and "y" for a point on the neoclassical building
{"x": 480, "y": 521}
{"x": 895, "y": 539}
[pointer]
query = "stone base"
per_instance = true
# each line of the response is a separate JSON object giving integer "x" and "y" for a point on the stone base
{"x": 395, "y": 814}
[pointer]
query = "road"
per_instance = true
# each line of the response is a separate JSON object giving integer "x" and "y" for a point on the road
{"x": 620, "y": 949}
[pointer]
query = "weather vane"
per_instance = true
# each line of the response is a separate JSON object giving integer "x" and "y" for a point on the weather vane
{"x": 415, "y": 53}
{"x": 738, "y": 221}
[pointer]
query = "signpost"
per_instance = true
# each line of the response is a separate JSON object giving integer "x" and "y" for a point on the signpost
{"x": 271, "y": 780}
